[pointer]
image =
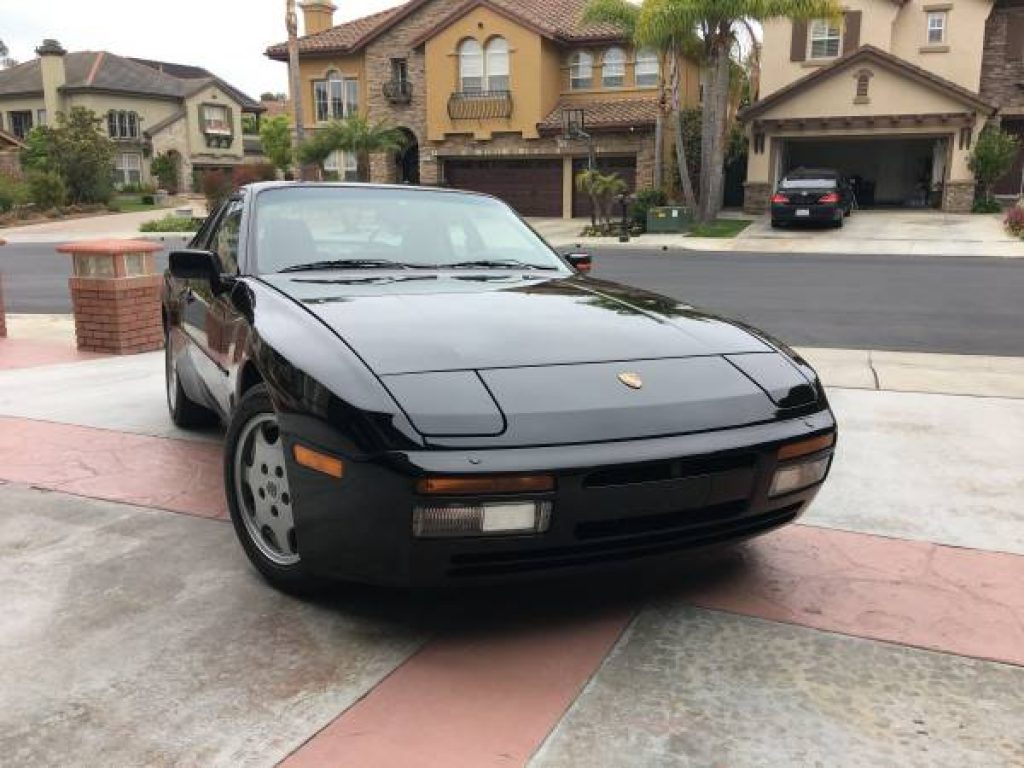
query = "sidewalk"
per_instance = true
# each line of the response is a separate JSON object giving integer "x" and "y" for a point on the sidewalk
{"x": 916, "y": 233}
{"x": 886, "y": 627}
{"x": 116, "y": 226}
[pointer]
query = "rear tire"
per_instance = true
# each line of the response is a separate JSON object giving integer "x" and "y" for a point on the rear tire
{"x": 259, "y": 495}
{"x": 838, "y": 223}
{"x": 185, "y": 413}
{"x": 776, "y": 224}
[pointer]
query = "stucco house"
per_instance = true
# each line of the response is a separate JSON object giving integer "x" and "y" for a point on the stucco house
{"x": 150, "y": 107}
{"x": 892, "y": 95}
{"x": 482, "y": 88}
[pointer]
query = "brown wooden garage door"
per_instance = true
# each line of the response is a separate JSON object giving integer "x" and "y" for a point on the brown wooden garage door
{"x": 532, "y": 187}
{"x": 625, "y": 167}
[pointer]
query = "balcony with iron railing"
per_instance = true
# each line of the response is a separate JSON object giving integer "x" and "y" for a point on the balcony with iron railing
{"x": 397, "y": 91}
{"x": 479, "y": 105}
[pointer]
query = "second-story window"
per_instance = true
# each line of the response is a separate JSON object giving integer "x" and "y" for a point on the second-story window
{"x": 825, "y": 39}
{"x": 613, "y": 68}
{"x": 122, "y": 124}
{"x": 216, "y": 120}
{"x": 471, "y": 65}
{"x": 335, "y": 97}
{"x": 581, "y": 71}
{"x": 647, "y": 68}
{"x": 936, "y": 27}
{"x": 496, "y": 64}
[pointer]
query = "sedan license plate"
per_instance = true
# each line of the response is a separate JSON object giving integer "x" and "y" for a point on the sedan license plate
{"x": 803, "y": 211}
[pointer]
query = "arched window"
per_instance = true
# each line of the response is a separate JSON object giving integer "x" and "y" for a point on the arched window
{"x": 581, "y": 70}
{"x": 613, "y": 68}
{"x": 471, "y": 65}
{"x": 496, "y": 64}
{"x": 647, "y": 68}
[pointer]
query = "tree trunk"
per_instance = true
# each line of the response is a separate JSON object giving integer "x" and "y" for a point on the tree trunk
{"x": 684, "y": 165}
{"x": 362, "y": 166}
{"x": 713, "y": 125}
{"x": 659, "y": 151}
{"x": 295, "y": 81}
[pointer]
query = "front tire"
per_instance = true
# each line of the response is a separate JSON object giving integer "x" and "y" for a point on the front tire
{"x": 259, "y": 494}
{"x": 185, "y": 413}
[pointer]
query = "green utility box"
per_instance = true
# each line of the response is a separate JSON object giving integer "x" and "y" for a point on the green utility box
{"x": 669, "y": 219}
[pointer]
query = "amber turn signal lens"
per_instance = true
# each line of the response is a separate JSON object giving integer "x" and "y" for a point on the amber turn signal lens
{"x": 486, "y": 484}
{"x": 321, "y": 462}
{"x": 804, "y": 447}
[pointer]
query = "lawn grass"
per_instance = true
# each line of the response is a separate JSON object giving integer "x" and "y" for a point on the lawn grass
{"x": 720, "y": 228}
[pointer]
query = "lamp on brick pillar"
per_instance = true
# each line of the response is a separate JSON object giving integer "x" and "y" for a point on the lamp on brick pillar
{"x": 115, "y": 292}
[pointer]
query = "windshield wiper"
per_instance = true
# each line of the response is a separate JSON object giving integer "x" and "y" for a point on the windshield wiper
{"x": 495, "y": 264}
{"x": 348, "y": 264}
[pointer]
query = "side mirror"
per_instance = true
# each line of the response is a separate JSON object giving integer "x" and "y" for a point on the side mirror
{"x": 193, "y": 264}
{"x": 581, "y": 261}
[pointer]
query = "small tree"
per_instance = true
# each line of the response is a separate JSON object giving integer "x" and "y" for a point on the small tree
{"x": 992, "y": 158}
{"x": 165, "y": 168}
{"x": 355, "y": 134}
{"x": 276, "y": 137}
{"x": 601, "y": 189}
{"x": 77, "y": 151}
{"x": 6, "y": 62}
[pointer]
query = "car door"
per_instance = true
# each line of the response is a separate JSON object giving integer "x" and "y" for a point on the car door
{"x": 209, "y": 317}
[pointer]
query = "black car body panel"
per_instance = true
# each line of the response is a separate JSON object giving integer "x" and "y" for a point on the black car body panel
{"x": 407, "y": 373}
{"x": 813, "y": 196}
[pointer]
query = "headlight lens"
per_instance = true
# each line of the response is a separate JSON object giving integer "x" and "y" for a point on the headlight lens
{"x": 481, "y": 519}
{"x": 796, "y": 477}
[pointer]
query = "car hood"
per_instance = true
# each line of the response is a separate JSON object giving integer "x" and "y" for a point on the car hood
{"x": 402, "y": 323}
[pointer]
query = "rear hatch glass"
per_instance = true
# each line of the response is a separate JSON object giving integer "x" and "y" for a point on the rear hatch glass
{"x": 809, "y": 183}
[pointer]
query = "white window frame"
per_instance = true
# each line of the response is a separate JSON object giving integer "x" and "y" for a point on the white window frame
{"x": 335, "y": 97}
{"x": 345, "y": 164}
{"x": 826, "y": 32}
{"x": 496, "y": 64}
{"x": 942, "y": 17}
{"x": 613, "y": 68}
{"x": 471, "y": 66}
{"x": 125, "y": 164}
{"x": 213, "y": 125}
{"x": 647, "y": 65}
{"x": 581, "y": 71}
{"x": 123, "y": 124}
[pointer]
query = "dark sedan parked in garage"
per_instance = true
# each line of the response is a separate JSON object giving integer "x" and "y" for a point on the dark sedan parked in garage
{"x": 419, "y": 390}
{"x": 812, "y": 195}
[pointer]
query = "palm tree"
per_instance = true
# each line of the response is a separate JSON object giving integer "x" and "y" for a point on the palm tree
{"x": 294, "y": 74}
{"x": 356, "y": 134}
{"x": 718, "y": 23}
{"x": 625, "y": 15}
{"x": 601, "y": 189}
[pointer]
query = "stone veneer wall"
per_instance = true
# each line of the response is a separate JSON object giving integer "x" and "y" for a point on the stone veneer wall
{"x": 999, "y": 74}
{"x": 174, "y": 136}
{"x": 756, "y": 195}
{"x": 958, "y": 196}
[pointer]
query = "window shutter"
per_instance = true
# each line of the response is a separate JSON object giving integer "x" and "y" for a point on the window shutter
{"x": 1015, "y": 37}
{"x": 798, "y": 43}
{"x": 851, "y": 35}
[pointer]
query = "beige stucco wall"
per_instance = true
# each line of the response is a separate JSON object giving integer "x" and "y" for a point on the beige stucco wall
{"x": 20, "y": 105}
{"x": 150, "y": 111}
{"x": 901, "y": 31}
{"x": 313, "y": 69}
{"x": 200, "y": 153}
{"x": 526, "y": 59}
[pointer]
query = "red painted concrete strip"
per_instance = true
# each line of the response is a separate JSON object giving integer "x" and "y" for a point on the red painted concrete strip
{"x": 469, "y": 700}
{"x": 31, "y": 353}
{"x": 964, "y": 601}
{"x": 178, "y": 475}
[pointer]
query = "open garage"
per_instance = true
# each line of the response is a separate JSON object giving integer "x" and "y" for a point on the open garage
{"x": 889, "y": 171}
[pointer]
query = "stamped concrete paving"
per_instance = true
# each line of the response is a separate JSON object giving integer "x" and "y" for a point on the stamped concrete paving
{"x": 692, "y": 687}
{"x": 136, "y": 637}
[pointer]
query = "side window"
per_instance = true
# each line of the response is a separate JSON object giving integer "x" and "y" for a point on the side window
{"x": 225, "y": 241}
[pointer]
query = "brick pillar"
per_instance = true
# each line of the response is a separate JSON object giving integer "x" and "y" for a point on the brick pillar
{"x": 756, "y": 196}
{"x": 115, "y": 292}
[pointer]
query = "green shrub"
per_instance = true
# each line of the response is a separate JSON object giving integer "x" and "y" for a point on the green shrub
{"x": 1014, "y": 221}
{"x": 12, "y": 193}
{"x": 982, "y": 205}
{"x": 172, "y": 223}
{"x": 148, "y": 199}
{"x": 165, "y": 168}
{"x": 216, "y": 186}
{"x": 252, "y": 173}
{"x": 46, "y": 190}
{"x": 645, "y": 200}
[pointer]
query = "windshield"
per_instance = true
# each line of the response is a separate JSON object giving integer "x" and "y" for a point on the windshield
{"x": 325, "y": 227}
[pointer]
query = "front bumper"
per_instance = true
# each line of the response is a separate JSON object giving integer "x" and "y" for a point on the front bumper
{"x": 613, "y": 503}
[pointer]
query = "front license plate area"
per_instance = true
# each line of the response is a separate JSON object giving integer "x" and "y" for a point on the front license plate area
{"x": 803, "y": 212}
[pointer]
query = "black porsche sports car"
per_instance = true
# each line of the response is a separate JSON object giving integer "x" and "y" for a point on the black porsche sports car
{"x": 419, "y": 390}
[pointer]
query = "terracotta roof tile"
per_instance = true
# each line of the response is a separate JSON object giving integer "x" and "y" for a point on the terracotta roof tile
{"x": 604, "y": 115}
{"x": 560, "y": 19}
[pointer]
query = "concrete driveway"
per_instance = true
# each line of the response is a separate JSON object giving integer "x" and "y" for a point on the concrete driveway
{"x": 915, "y": 232}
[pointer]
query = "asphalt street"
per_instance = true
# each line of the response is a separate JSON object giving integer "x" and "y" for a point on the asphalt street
{"x": 946, "y": 304}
